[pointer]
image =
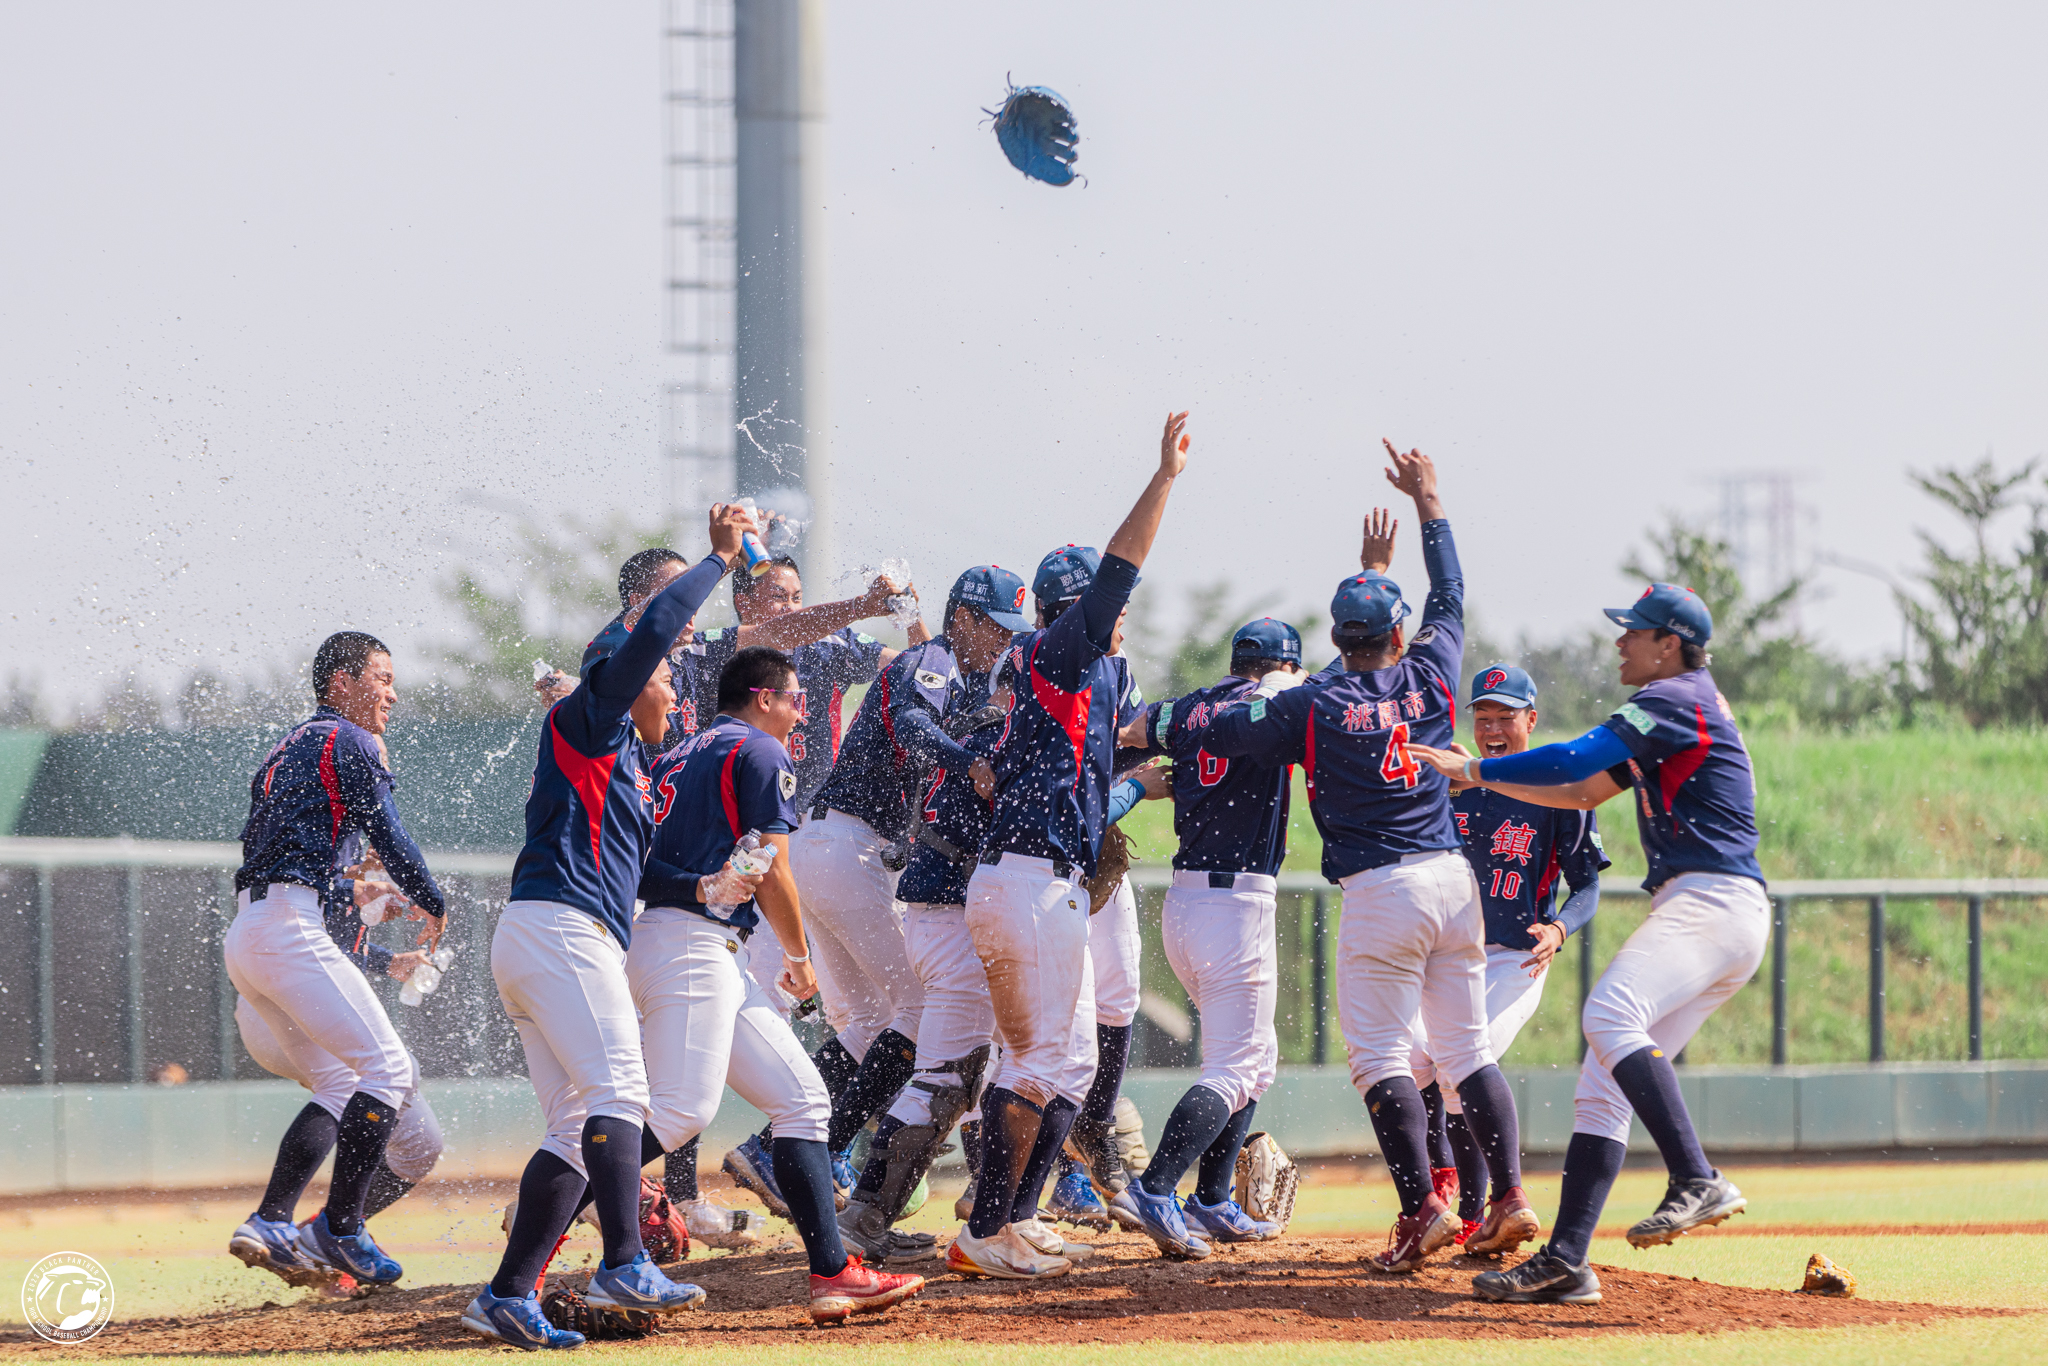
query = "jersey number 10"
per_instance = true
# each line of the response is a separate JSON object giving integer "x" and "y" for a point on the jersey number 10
{"x": 1507, "y": 884}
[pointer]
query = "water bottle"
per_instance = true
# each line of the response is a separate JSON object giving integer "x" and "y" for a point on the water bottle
{"x": 902, "y": 606}
{"x": 426, "y": 977}
{"x": 751, "y": 856}
{"x": 378, "y": 911}
{"x": 541, "y": 669}
{"x": 752, "y": 550}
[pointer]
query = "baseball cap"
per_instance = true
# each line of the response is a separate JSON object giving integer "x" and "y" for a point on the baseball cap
{"x": 1667, "y": 607}
{"x": 1266, "y": 638}
{"x": 608, "y": 641}
{"x": 994, "y": 592}
{"x": 1373, "y": 601}
{"x": 1504, "y": 683}
{"x": 1065, "y": 573}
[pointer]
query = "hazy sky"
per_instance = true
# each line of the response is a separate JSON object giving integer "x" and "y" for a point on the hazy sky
{"x": 298, "y": 300}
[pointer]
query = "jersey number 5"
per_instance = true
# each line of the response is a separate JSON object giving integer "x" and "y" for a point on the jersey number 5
{"x": 1399, "y": 766}
{"x": 1209, "y": 768}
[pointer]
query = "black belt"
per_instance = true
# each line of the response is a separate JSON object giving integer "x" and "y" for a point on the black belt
{"x": 260, "y": 891}
{"x": 818, "y": 811}
{"x": 1060, "y": 868}
{"x": 1222, "y": 881}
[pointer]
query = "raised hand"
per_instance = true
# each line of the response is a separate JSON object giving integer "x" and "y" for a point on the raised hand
{"x": 1415, "y": 475}
{"x": 729, "y": 522}
{"x": 1376, "y": 548}
{"x": 1173, "y": 445}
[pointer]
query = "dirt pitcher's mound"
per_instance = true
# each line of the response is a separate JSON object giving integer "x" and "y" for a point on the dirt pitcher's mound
{"x": 1296, "y": 1289}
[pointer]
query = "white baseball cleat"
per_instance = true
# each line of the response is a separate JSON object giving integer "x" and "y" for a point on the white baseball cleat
{"x": 1043, "y": 1237}
{"x": 1006, "y": 1257}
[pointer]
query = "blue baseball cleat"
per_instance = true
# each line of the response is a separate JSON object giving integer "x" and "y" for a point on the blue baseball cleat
{"x": 844, "y": 1177}
{"x": 1226, "y": 1222}
{"x": 751, "y": 1166}
{"x": 1074, "y": 1199}
{"x": 517, "y": 1321}
{"x": 273, "y": 1244}
{"x": 356, "y": 1253}
{"x": 1158, "y": 1218}
{"x": 640, "y": 1285}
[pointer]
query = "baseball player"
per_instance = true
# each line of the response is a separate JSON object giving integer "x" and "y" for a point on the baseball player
{"x": 1026, "y": 911}
{"x": 1218, "y": 923}
{"x": 707, "y": 1017}
{"x": 324, "y": 782}
{"x": 1412, "y": 934}
{"x": 1518, "y": 851}
{"x": 1675, "y": 743}
{"x": 559, "y": 960}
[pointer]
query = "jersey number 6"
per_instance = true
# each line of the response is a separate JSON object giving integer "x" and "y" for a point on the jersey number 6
{"x": 1399, "y": 766}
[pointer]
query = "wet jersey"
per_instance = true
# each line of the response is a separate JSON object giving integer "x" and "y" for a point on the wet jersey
{"x": 1373, "y": 802}
{"x": 696, "y": 685}
{"x": 1054, "y": 761}
{"x": 896, "y": 736}
{"x": 1695, "y": 790}
{"x": 1518, "y": 852}
{"x": 825, "y": 669}
{"x": 319, "y": 786}
{"x": 948, "y": 803}
{"x": 1230, "y": 814}
{"x": 709, "y": 791}
{"x": 591, "y": 810}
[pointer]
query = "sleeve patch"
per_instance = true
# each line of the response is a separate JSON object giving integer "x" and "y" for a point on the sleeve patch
{"x": 1165, "y": 715}
{"x": 786, "y": 780}
{"x": 927, "y": 679}
{"x": 1258, "y": 710}
{"x": 1637, "y": 717}
{"x": 864, "y": 638}
{"x": 1598, "y": 847}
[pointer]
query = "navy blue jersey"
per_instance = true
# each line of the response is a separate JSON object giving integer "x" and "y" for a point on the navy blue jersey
{"x": 1518, "y": 851}
{"x": 1230, "y": 814}
{"x": 1055, "y": 757}
{"x": 591, "y": 810}
{"x": 1695, "y": 790}
{"x": 1373, "y": 801}
{"x": 896, "y": 735}
{"x": 696, "y": 685}
{"x": 948, "y": 803}
{"x": 709, "y": 791}
{"x": 319, "y": 786}
{"x": 825, "y": 669}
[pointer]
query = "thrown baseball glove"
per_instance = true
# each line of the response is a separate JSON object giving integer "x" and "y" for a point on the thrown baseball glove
{"x": 1036, "y": 129}
{"x": 1266, "y": 1179}
{"x": 572, "y": 1313}
{"x": 1110, "y": 866}
{"x": 1823, "y": 1277}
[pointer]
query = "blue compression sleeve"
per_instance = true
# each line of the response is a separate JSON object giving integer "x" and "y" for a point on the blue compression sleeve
{"x": 1123, "y": 798}
{"x": 1572, "y": 761}
{"x": 1578, "y": 908}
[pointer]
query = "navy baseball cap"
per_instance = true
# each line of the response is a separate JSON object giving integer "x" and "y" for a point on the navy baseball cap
{"x": 608, "y": 641}
{"x": 1266, "y": 638}
{"x": 1667, "y": 607}
{"x": 1066, "y": 573}
{"x": 1373, "y": 601}
{"x": 994, "y": 592}
{"x": 1504, "y": 683}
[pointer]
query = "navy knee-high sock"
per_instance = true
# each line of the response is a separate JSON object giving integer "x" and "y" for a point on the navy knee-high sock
{"x": 803, "y": 1168}
{"x": 679, "y": 1172}
{"x": 550, "y": 1190}
{"x": 1053, "y": 1126}
{"x": 1009, "y": 1130}
{"x": 1590, "y": 1166}
{"x": 1490, "y": 1119}
{"x": 1439, "y": 1146}
{"x": 359, "y": 1139}
{"x": 1217, "y": 1175}
{"x": 889, "y": 1061}
{"x": 1649, "y": 1081}
{"x": 1197, "y": 1119}
{"x": 1402, "y": 1127}
{"x": 1112, "y": 1056}
{"x": 1472, "y": 1174}
{"x": 386, "y": 1189}
{"x": 612, "y": 1153}
{"x": 305, "y": 1145}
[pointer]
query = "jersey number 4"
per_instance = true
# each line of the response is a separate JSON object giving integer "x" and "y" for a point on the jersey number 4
{"x": 1399, "y": 766}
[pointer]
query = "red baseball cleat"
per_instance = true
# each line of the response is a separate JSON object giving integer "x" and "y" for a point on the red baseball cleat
{"x": 858, "y": 1290}
{"x": 1472, "y": 1226}
{"x": 1509, "y": 1224}
{"x": 1415, "y": 1236}
{"x": 1445, "y": 1180}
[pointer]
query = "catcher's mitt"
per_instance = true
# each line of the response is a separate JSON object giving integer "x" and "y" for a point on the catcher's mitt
{"x": 1036, "y": 129}
{"x": 1823, "y": 1277}
{"x": 663, "y": 1231}
{"x": 569, "y": 1311}
{"x": 1266, "y": 1180}
{"x": 1110, "y": 866}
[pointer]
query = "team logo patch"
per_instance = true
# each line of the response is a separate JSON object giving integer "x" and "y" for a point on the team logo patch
{"x": 1424, "y": 636}
{"x": 1020, "y": 596}
{"x": 1637, "y": 717}
{"x": 1258, "y": 709}
{"x": 1494, "y": 678}
{"x": 787, "y": 782}
{"x": 927, "y": 679}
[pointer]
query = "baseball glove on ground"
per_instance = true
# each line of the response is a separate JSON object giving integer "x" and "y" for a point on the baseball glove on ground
{"x": 1823, "y": 1277}
{"x": 1036, "y": 129}
{"x": 1266, "y": 1180}
{"x": 569, "y": 1311}
{"x": 1110, "y": 866}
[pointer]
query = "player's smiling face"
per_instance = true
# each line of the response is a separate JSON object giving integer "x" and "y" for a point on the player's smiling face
{"x": 1498, "y": 728}
{"x": 368, "y": 697}
{"x": 776, "y": 593}
{"x": 1643, "y": 656}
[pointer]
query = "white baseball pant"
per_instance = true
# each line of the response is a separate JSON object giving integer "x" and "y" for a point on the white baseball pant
{"x": 957, "y": 1015}
{"x": 1222, "y": 945}
{"x": 1114, "y": 946}
{"x": 1511, "y": 999}
{"x": 562, "y": 978}
{"x": 855, "y": 927}
{"x": 706, "y": 1021}
{"x": 1082, "y": 1052}
{"x": 290, "y": 971}
{"x": 1030, "y": 931}
{"x": 1703, "y": 940}
{"x": 415, "y": 1143}
{"x": 1409, "y": 943}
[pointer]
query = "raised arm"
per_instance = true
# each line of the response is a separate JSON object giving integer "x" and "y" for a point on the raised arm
{"x": 807, "y": 624}
{"x": 1133, "y": 539}
{"x": 616, "y": 681}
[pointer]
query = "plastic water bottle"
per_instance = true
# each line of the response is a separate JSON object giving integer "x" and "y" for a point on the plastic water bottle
{"x": 426, "y": 977}
{"x": 378, "y": 911}
{"x": 753, "y": 855}
{"x": 902, "y": 606}
{"x": 541, "y": 669}
{"x": 755, "y": 554}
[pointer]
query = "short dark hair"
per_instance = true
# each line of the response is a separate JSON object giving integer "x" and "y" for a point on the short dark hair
{"x": 743, "y": 583}
{"x": 1691, "y": 654}
{"x": 757, "y": 666}
{"x": 1050, "y": 612}
{"x": 344, "y": 652}
{"x": 1350, "y": 637}
{"x": 637, "y": 574}
{"x": 1261, "y": 667}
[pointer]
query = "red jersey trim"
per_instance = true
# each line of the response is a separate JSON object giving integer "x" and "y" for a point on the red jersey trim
{"x": 591, "y": 779}
{"x": 1673, "y": 772}
{"x": 331, "y": 781}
